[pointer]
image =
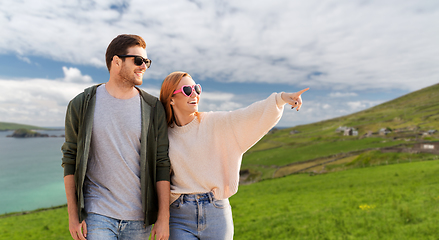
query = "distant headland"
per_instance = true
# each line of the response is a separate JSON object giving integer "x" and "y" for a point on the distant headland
{"x": 26, "y": 133}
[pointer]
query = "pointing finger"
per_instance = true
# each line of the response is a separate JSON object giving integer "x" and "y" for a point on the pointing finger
{"x": 302, "y": 91}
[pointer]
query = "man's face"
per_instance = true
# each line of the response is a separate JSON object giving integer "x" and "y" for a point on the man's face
{"x": 130, "y": 73}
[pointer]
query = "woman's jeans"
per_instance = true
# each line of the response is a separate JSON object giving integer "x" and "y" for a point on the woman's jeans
{"x": 200, "y": 216}
{"x": 102, "y": 228}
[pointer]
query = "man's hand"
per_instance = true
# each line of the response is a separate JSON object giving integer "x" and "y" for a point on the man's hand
{"x": 160, "y": 230}
{"x": 77, "y": 230}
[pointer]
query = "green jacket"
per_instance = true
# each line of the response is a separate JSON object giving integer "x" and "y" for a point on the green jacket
{"x": 154, "y": 159}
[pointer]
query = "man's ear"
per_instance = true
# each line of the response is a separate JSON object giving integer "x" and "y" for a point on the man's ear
{"x": 116, "y": 62}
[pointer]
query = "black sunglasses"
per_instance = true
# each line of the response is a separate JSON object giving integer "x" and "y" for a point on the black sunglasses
{"x": 138, "y": 60}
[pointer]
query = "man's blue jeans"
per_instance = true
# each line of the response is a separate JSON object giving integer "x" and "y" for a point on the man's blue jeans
{"x": 200, "y": 216}
{"x": 102, "y": 228}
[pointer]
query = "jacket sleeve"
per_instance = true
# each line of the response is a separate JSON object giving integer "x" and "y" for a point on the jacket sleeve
{"x": 163, "y": 164}
{"x": 69, "y": 148}
{"x": 250, "y": 124}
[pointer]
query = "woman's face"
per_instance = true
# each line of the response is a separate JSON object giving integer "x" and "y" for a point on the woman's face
{"x": 181, "y": 103}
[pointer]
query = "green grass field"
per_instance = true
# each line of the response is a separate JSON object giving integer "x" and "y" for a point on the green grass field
{"x": 49, "y": 224}
{"x": 398, "y": 201}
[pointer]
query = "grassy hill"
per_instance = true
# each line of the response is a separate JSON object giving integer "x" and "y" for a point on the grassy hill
{"x": 408, "y": 117}
{"x": 14, "y": 126}
{"x": 397, "y": 201}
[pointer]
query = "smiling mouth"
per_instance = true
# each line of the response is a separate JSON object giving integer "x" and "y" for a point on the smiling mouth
{"x": 139, "y": 71}
{"x": 193, "y": 102}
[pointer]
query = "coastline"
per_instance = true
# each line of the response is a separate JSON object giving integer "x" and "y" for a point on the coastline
{"x": 13, "y": 214}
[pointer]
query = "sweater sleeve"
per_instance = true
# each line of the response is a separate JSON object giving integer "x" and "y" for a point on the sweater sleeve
{"x": 250, "y": 124}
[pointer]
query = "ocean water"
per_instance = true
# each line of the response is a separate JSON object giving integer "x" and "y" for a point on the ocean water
{"x": 31, "y": 175}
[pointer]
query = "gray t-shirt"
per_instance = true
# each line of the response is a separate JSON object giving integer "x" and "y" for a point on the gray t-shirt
{"x": 112, "y": 183}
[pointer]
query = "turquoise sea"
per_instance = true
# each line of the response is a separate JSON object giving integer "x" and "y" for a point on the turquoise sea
{"x": 31, "y": 175}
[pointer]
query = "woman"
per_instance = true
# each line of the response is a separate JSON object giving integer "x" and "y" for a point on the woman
{"x": 205, "y": 149}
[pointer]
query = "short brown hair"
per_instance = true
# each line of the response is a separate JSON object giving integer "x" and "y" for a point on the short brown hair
{"x": 120, "y": 45}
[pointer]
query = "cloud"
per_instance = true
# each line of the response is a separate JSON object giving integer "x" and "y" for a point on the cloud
{"x": 342, "y": 94}
{"x": 356, "y": 106}
{"x": 315, "y": 111}
{"x": 40, "y": 102}
{"x": 24, "y": 59}
{"x": 217, "y": 96}
{"x": 219, "y": 101}
{"x": 354, "y": 45}
{"x": 74, "y": 75}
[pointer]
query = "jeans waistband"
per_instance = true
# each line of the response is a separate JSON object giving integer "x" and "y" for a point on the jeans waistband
{"x": 200, "y": 197}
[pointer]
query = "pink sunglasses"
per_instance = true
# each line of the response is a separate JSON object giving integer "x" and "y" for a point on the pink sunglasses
{"x": 187, "y": 90}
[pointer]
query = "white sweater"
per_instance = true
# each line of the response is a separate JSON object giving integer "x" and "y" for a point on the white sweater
{"x": 206, "y": 154}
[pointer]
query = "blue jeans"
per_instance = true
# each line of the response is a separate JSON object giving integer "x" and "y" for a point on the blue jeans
{"x": 100, "y": 227}
{"x": 200, "y": 216}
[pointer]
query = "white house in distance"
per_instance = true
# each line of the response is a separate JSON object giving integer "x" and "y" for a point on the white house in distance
{"x": 384, "y": 131}
{"x": 432, "y": 147}
{"x": 347, "y": 131}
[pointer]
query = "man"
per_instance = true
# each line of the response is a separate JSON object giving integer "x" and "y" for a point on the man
{"x": 115, "y": 156}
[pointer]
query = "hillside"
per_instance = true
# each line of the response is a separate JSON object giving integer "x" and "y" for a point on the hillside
{"x": 14, "y": 126}
{"x": 390, "y": 202}
{"x": 406, "y": 119}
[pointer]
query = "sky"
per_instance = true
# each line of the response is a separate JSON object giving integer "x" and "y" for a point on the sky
{"x": 352, "y": 54}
